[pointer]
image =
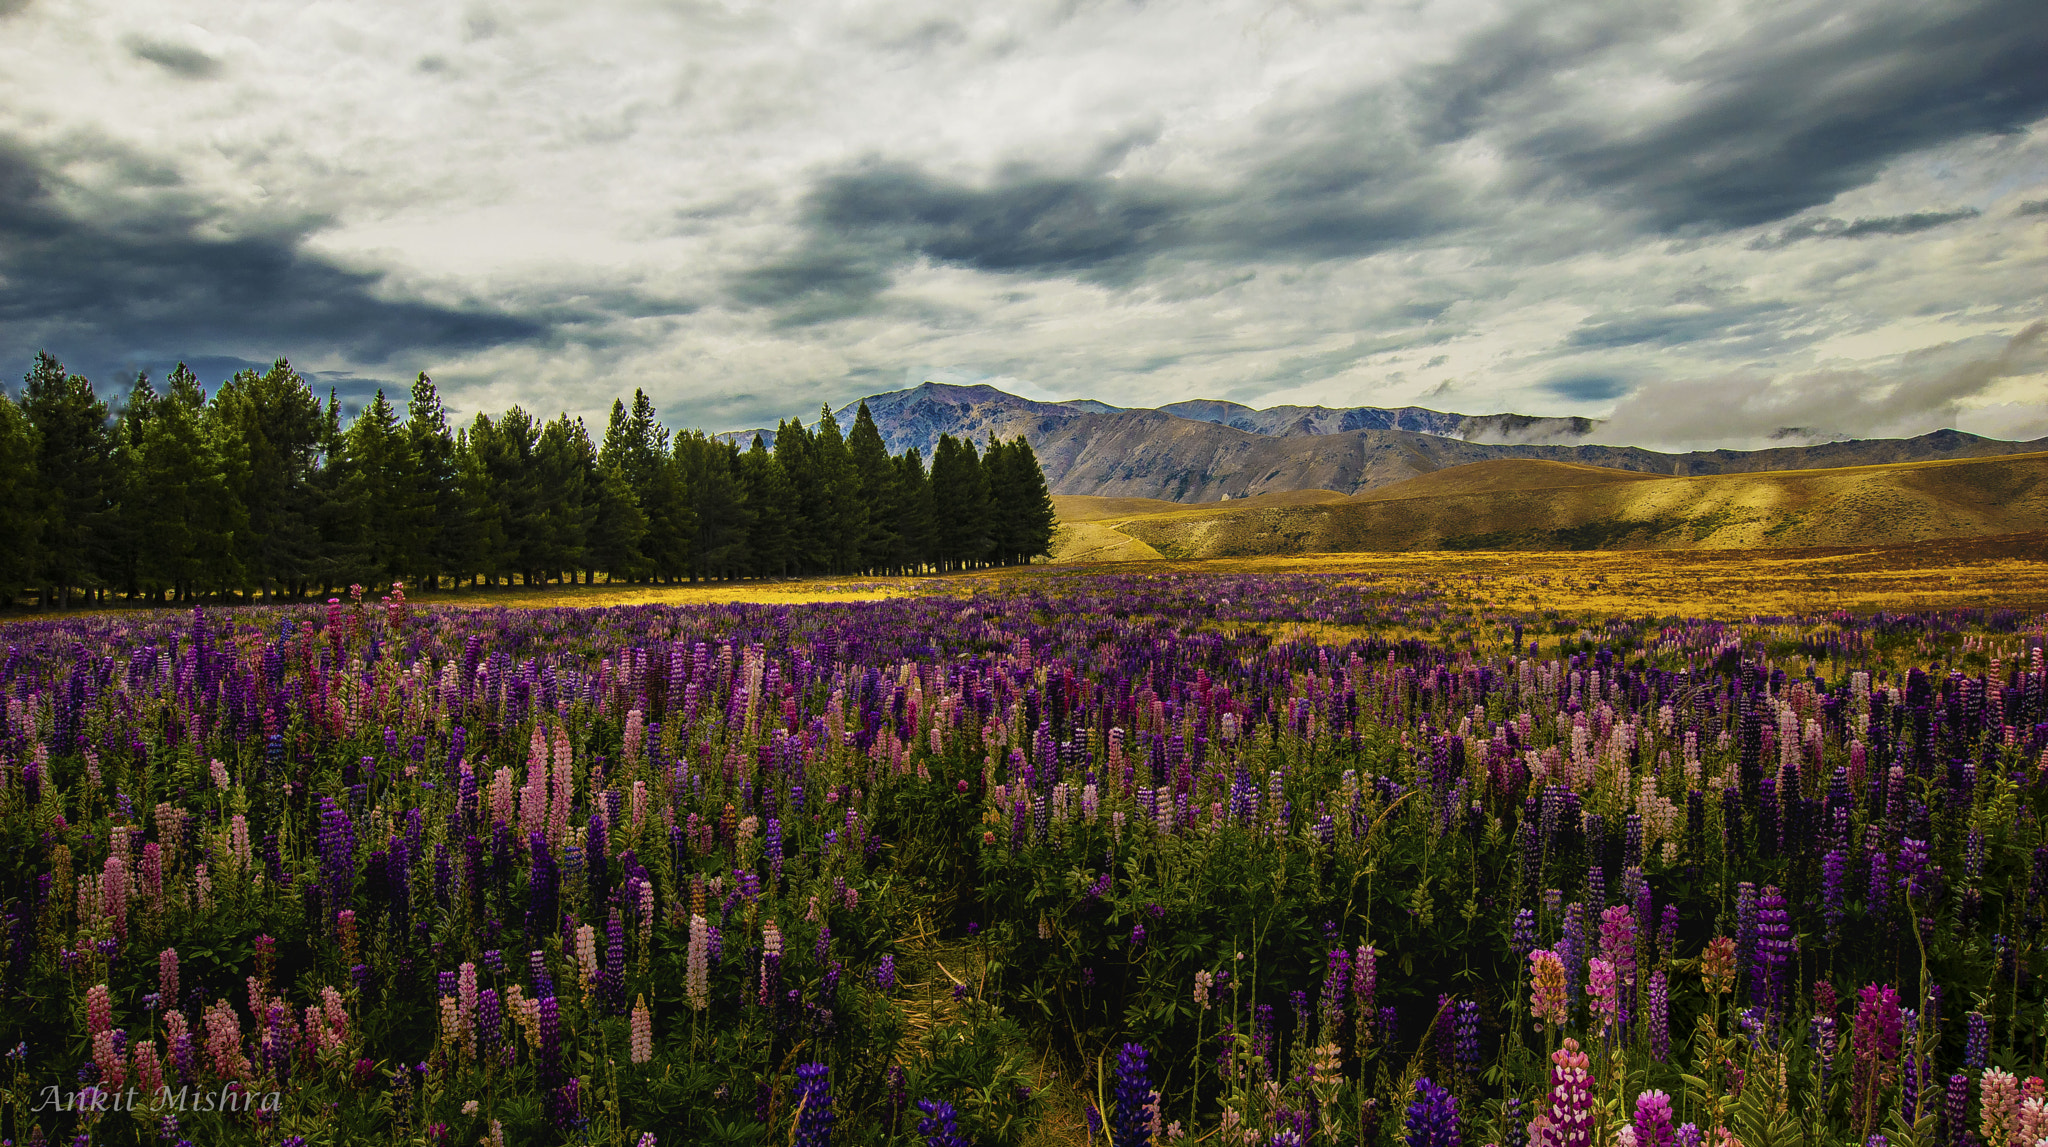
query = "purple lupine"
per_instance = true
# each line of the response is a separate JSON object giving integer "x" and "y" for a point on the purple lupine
{"x": 1336, "y": 980}
{"x": 1522, "y": 934}
{"x": 615, "y": 964}
{"x": 1432, "y": 1117}
{"x": 551, "y": 1075}
{"x": 1653, "y": 1120}
{"x": 885, "y": 974}
{"x": 1660, "y": 1016}
{"x": 1977, "y": 1047}
{"x": 940, "y": 1125}
{"x": 1465, "y": 1051}
{"x": 1956, "y": 1111}
{"x": 814, "y": 1106}
{"x": 490, "y": 1024}
{"x": 1832, "y": 868}
{"x": 1770, "y": 983}
{"x": 1131, "y": 1121}
{"x": 1572, "y": 952}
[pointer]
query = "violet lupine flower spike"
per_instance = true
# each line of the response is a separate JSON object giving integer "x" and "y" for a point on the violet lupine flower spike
{"x": 814, "y": 1107}
{"x": 1130, "y": 1123}
{"x": 1432, "y": 1117}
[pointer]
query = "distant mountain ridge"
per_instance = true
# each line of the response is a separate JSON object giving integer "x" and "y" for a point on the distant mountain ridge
{"x": 1196, "y": 451}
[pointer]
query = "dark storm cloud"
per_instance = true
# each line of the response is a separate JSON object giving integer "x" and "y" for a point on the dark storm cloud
{"x": 114, "y": 283}
{"x": 1587, "y": 387}
{"x": 1831, "y": 228}
{"x": 1316, "y": 189}
{"x": 185, "y": 61}
{"x": 1673, "y": 326}
{"x": 1801, "y": 109}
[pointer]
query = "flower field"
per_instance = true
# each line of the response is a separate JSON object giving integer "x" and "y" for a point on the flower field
{"x": 1242, "y": 858}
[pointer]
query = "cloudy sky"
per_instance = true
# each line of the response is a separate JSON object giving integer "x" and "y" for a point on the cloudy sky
{"x": 1713, "y": 221}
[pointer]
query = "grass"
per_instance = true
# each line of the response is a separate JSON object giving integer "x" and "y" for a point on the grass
{"x": 2008, "y": 572}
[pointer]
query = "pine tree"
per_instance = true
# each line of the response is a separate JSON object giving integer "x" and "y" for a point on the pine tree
{"x": 617, "y": 525}
{"x": 439, "y": 532}
{"x": 718, "y": 505}
{"x": 960, "y": 505}
{"x": 20, "y": 523}
{"x": 879, "y": 493}
{"x": 796, "y": 451}
{"x": 183, "y": 491}
{"x": 380, "y": 491}
{"x": 1022, "y": 516}
{"x": 74, "y": 465}
{"x": 132, "y": 528}
{"x": 562, "y": 457}
{"x": 1037, "y": 520}
{"x": 279, "y": 424}
{"x": 842, "y": 519}
{"x": 771, "y": 501}
{"x": 914, "y": 521}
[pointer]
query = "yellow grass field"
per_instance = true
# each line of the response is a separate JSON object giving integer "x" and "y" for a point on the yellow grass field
{"x": 2006, "y": 572}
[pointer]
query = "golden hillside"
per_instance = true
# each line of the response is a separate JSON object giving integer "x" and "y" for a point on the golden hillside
{"x": 1525, "y": 504}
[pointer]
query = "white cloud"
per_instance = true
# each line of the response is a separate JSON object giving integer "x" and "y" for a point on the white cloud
{"x": 1311, "y": 203}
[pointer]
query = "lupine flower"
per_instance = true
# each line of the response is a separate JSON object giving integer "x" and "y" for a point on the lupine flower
{"x": 940, "y": 1125}
{"x": 1569, "y": 1122}
{"x": 1717, "y": 965}
{"x": 1998, "y": 1100}
{"x": 1660, "y": 1016}
{"x": 1131, "y": 1118}
{"x": 1601, "y": 991}
{"x": 1546, "y": 987}
{"x": 1432, "y": 1117}
{"x": 1653, "y": 1120}
{"x": 642, "y": 1031}
{"x": 1205, "y": 987}
{"x": 1977, "y": 1048}
{"x": 814, "y": 1106}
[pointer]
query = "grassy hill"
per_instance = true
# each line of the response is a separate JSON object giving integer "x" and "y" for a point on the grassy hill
{"x": 1529, "y": 504}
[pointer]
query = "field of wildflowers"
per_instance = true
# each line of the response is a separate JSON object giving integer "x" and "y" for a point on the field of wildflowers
{"x": 1254, "y": 859}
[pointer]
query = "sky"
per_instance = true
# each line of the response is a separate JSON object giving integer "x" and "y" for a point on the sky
{"x": 1709, "y": 222}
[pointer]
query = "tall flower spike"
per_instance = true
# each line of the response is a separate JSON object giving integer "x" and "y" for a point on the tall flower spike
{"x": 1130, "y": 1124}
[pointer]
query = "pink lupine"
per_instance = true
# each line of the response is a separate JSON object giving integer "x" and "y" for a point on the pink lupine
{"x": 150, "y": 876}
{"x": 465, "y": 990}
{"x": 586, "y": 953}
{"x": 99, "y": 1010}
{"x": 643, "y": 1031}
{"x": 219, "y": 772}
{"x": 2032, "y": 1122}
{"x": 1999, "y": 1103}
{"x": 502, "y": 806}
{"x": 565, "y": 785}
{"x": 149, "y": 1067}
{"x": 1601, "y": 985}
{"x": 636, "y": 732}
{"x": 224, "y": 1041}
{"x": 114, "y": 892}
{"x": 113, "y": 1067}
{"x": 696, "y": 982}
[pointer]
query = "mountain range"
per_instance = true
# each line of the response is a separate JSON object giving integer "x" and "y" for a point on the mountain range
{"x": 1207, "y": 450}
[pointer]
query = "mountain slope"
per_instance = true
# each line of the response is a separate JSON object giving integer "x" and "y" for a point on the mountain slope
{"x": 1520, "y": 506}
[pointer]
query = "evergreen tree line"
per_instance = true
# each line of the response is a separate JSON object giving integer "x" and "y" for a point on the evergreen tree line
{"x": 260, "y": 488}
